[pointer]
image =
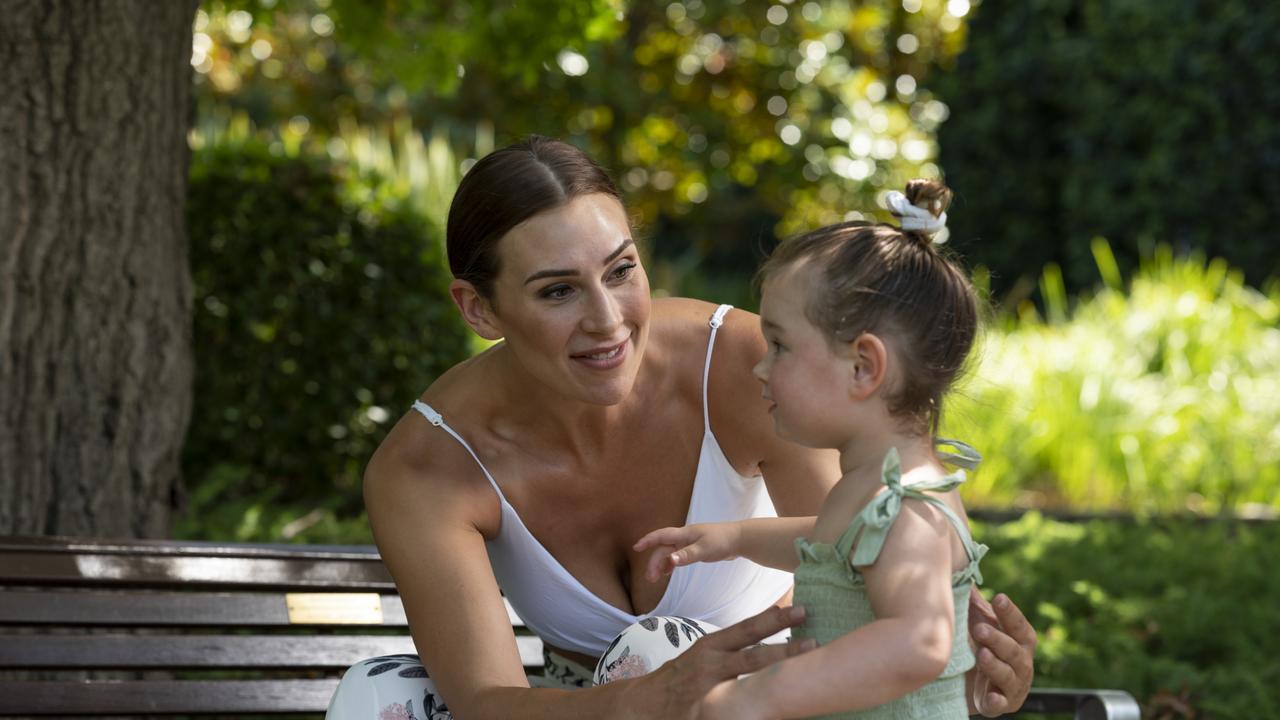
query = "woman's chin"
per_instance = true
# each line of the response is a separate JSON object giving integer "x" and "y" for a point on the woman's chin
{"x": 608, "y": 393}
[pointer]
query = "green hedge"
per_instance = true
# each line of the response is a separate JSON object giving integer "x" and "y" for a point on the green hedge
{"x": 321, "y": 312}
{"x": 1175, "y": 612}
{"x": 1137, "y": 121}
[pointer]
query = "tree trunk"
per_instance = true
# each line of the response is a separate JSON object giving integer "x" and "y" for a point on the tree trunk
{"x": 95, "y": 292}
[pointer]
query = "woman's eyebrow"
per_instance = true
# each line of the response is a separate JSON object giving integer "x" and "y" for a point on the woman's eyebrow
{"x": 573, "y": 273}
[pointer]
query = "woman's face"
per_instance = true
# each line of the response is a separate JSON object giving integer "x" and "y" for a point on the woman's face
{"x": 572, "y": 299}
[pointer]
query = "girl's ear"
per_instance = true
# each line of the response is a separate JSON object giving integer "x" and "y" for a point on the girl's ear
{"x": 868, "y": 362}
{"x": 476, "y": 310}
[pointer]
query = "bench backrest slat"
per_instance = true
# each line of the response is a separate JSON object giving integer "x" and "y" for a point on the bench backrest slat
{"x": 48, "y": 607}
{"x": 167, "y": 609}
{"x": 110, "y": 569}
{"x": 181, "y": 652}
{"x": 173, "y": 697}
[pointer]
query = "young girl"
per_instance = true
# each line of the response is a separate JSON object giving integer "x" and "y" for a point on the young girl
{"x": 867, "y": 325}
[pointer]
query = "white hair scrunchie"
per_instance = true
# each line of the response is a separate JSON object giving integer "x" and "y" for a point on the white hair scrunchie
{"x": 914, "y": 217}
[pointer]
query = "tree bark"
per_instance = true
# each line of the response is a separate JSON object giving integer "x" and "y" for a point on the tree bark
{"x": 95, "y": 291}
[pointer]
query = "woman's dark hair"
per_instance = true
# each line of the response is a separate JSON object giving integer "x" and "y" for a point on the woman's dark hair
{"x": 877, "y": 278}
{"x": 507, "y": 187}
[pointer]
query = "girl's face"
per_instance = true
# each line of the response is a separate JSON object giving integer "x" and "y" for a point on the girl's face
{"x": 805, "y": 380}
{"x": 572, "y": 300}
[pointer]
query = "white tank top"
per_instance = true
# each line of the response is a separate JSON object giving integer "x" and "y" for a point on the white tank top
{"x": 565, "y": 614}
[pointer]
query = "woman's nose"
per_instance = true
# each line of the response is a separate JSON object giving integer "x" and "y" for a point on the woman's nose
{"x": 603, "y": 313}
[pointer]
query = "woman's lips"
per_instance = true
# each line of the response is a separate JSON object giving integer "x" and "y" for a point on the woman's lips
{"x": 605, "y": 358}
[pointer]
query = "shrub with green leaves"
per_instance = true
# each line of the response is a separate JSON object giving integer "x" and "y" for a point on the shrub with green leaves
{"x": 1144, "y": 122}
{"x": 1161, "y": 398}
{"x": 321, "y": 311}
{"x": 1182, "y": 614}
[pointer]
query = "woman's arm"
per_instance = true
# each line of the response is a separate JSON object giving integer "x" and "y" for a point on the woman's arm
{"x": 906, "y": 647}
{"x": 426, "y": 513}
{"x": 764, "y": 541}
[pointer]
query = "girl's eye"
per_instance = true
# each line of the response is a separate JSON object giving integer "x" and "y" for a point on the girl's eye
{"x": 623, "y": 271}
{"x": 776, "y": 346}
{"x": 556, "y": 292}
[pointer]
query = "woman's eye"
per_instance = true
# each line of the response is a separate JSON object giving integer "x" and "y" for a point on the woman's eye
{"x": 623, "y": 271}
{"x": 776, "y": 346}
{"x": 557, "y": 292}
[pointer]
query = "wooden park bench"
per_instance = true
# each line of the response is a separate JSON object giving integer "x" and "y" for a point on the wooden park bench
{"x": 192, "y": 628}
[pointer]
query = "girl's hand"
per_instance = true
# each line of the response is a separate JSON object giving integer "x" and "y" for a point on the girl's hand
{"x": 1006, "y": 652}
{"x": 676, "y": 546}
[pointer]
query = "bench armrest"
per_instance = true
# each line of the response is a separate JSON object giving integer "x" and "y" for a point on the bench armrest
{"x": 1081, "y": 704}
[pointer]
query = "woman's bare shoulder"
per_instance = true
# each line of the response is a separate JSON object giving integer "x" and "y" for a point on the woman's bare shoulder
{"x": 419, "y": 465}
{"x": 680, "y": 314}
{"x": 684, "y": 320}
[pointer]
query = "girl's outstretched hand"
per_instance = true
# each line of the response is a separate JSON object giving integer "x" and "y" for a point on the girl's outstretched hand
{"x": 676, "y": 546}
{"x": 1006, "y": 648}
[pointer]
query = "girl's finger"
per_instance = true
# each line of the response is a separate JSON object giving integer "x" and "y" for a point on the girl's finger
{"x": 654, "y": 568}
{"x": 661, "y": 536}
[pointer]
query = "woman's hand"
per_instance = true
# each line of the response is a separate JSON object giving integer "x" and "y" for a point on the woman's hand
{"x": 700, "y": 683}
{"x": 676, "y": 546}
{"x": 1006, "y": 653}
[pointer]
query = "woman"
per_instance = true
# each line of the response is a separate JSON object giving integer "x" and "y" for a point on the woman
{"x": 536, "y": 465}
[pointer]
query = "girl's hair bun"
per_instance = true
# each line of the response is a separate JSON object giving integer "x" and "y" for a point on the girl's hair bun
{"x": 922, "y": 210}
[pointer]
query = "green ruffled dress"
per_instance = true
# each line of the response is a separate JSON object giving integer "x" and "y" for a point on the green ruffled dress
{"x": 834, "y": 594}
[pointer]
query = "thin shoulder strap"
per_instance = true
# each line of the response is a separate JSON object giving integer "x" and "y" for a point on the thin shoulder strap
{"x": 717, "y": 319}
{"x": 437, "y": 419}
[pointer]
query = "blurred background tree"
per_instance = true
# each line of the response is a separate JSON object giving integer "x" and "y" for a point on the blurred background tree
{"x": 95, "y": 295}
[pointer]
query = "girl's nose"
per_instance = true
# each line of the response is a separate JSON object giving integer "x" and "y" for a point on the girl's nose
{"x": 761, "y": 370}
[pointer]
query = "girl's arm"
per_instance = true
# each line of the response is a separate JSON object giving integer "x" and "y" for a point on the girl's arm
{"x": 764, "y": 541}
{"x": 907, "y": 646}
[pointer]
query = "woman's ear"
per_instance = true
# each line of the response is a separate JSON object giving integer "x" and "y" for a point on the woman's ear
{"x": 476, "y": 310}
{"x": 868, "y": 362}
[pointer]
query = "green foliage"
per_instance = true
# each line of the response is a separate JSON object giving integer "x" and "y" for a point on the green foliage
{"x": 321, "y": 309}
{"x": 724, "y": 122}
{"x": 1173, "y": 612}
{"x": 1161, "y": 398}
{"x": 421, "y": 44}
{"x": 1139, "y": 121}
{"x": 424, "y": 43}
{"x": 227, "y": 502}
